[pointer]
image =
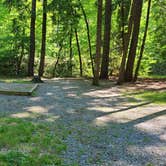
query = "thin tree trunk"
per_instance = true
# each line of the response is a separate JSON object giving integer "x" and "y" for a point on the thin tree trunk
{"x": 125, "y": 40}
{"x": 143, "y": 42}
{"x": 20, "y": 59}
{"x": 71, "y": 52}
{"x": 43, "y": 46}
{"x": 98, "y": 43}
{"x": 88, "y": 35}
{"x": 32, "y": 40}
{"x": 79, "y": 52}
{"x": 134, "y": 41}
{"x": 22, "y": 53}
{"x": 57, "y": 61}
{"x": 106, "y": 46}
{"x": 58, "y": 54}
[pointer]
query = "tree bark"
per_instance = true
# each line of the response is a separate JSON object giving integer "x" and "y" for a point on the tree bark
{"x": 143, "y": 42}
{"x": 98, "y": 43}
{"x": 134, "y": 41}
{"x": 88, "y": 35}
{"x": 22, "y": 53}
{"x": 43, "y": 46}
{"x": 57, "y": 61}
{"x": 79, "y": 52}
{"x": 125, "y": 40}
{"x": 106, "y": 44}
{"x": 32, "y": 40}
{"x": 71, "y": 52}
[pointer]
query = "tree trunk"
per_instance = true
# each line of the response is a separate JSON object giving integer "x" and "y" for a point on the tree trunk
{"x": 57, "y": 61}
{"x": 134, "y": 41}
{"x": 71, "y": 52}
{"x": 143, "y": 42}
{"x": 22, "y": 53}
{"x": 32, "y": 40}
{"x": 79, "y": 52}
{"x": 98, "y": 43}
{"x": 125, "y": 40}
{"x": 106, "y": 46}
{"x": 43, "y": 46}
{"x": 88, "y": 35}
{"x": 20, "y": 59}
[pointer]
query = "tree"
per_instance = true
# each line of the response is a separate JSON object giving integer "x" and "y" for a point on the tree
{"x": 32, "y": 40}
{"x": 125, "y": 38}
{"x": 88, "y": 35}
{"x": 17, "y": 14}
{"x": 79, "y": 52}
{"x": 134, "y": 40}
{"x": 43, "y": 45}
{"x": 106, "y": 43}
{"x": 98, "y": 43}
{"x": 143, "y": 41}
{"x": 71, "y": 52}
{"x": 61, "y": 44}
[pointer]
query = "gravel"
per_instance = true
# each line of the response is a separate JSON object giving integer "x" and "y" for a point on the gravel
{"x": 105, "y": 128}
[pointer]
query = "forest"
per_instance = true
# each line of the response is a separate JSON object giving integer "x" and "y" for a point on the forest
{"x": 82, "y": 83}
{"x": 72, "y": 38}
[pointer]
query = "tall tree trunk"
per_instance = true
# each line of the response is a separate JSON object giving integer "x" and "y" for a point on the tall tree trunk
{"x": 134, "y": 41}
{"x": 143, "y": 41}
{"x": 71, "y": 52}
{"x": 22, "y": 53}
{"x": 57, "y": 61}
{"x": 98, "y": 43}
{"x": 125, "y": 41}
{"x": 43, "y": 46}
{"x": 79, "y": 52}
{"x": 106, "y": 44}
{"x": 32, "y": 40}
{"x": 88, "y": 35}
{"x": 20, "y": 59}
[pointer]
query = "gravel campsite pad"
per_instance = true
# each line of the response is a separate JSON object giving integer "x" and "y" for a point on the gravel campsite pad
{"x": 17, "y": 88}
{"x": 105, "y": 127}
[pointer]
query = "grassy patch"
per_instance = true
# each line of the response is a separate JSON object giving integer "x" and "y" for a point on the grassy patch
{"x": 24, "y": 143}
{"x": 156, "y": 97}
{"x": 154, "y": 77}
{"x": 15, "y": 79}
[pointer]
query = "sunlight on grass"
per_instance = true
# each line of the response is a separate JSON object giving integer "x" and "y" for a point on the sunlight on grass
{"x": 14, "y": 79}
{"x": 156, "y": 97}
{"x": 154, "y": 76}
{"x": 27, "y": 143}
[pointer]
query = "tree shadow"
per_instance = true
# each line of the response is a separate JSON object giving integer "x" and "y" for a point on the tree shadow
{"x": 147, "y": 118}
{"x": 77, "y": 105}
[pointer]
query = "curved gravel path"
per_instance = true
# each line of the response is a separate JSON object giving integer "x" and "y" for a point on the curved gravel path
{"x": 105, "y": 127}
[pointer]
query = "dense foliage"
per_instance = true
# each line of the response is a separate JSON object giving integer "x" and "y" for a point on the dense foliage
{"x": 67, "y": 45}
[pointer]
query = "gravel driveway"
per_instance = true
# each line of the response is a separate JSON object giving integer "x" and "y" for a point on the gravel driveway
{"x": 106, "y": 128}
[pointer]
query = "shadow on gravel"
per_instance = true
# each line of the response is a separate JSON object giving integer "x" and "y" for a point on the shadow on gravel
{"x": 147, "y": 118}
{"x": 126, "y": 109}
{"x": 77, "y": 105}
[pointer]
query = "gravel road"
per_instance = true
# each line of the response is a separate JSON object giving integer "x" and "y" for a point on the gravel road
{"x": 106, "y": 128}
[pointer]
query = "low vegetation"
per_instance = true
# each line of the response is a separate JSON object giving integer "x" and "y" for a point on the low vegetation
{"x": 25, "y": 143}
{"x": 155, "y": 97}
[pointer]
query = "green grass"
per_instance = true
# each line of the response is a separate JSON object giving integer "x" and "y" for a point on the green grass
{"x": 15, "y": 79}
{"x": 25, "y": 143}
{"x": 156, "y": 97}
{"x": 154, "y": 77}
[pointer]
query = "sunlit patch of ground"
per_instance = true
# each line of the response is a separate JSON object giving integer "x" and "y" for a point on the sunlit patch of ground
{"x": 95, "y": 126}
